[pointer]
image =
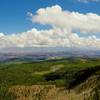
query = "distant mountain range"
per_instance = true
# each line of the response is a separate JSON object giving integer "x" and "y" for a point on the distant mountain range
{"x": 42, "y": 53}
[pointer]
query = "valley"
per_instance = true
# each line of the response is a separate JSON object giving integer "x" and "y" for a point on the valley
{"x": 66, "y": 78}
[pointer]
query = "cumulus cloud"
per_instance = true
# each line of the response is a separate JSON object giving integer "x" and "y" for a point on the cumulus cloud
{"x": 87, "y": 1}
{"x": 55, "y": 16}
{"x": 34, "y": 37}
{"x": 64, "y": 31}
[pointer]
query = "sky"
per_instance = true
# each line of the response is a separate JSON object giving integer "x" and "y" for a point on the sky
{"x": 65, "y": 23}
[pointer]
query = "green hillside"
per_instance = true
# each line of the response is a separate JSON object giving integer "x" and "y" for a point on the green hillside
{"x": 71, "y": 73}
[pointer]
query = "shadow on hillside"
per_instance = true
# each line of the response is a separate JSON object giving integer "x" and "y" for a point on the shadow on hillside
{"x": 73, "y": 78}
{"x": 82, "y": 75}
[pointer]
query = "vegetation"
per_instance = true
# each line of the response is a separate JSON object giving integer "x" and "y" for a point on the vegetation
{"x": 68, "y": 73}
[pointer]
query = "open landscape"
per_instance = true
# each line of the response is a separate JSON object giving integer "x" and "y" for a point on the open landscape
{"x": 49, "y": 49}
{"x": 52, "y": 79}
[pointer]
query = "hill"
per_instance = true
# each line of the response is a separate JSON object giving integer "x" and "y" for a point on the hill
{"x": 71, "y": 78}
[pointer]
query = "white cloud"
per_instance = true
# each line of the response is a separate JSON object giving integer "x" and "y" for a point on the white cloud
{"x": 29, "y": 14}
{"x": 55, "y": 16}
{"x": 87, "y": 1}
{"x": 32, "y": 38}
{"x": 64, "y": 24}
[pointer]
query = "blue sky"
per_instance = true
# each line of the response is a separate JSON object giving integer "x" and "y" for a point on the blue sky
{"x": 13, "y": 13}
{"x": 51, "y": 23}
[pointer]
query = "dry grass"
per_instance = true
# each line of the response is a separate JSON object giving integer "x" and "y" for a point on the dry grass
{"x": 47, "y": 92}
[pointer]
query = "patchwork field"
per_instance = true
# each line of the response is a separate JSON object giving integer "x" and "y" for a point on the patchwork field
{"x": 63, "y": 79}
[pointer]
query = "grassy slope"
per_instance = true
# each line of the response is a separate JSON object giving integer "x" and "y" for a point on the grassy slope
{"x": 58, "y": 72}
